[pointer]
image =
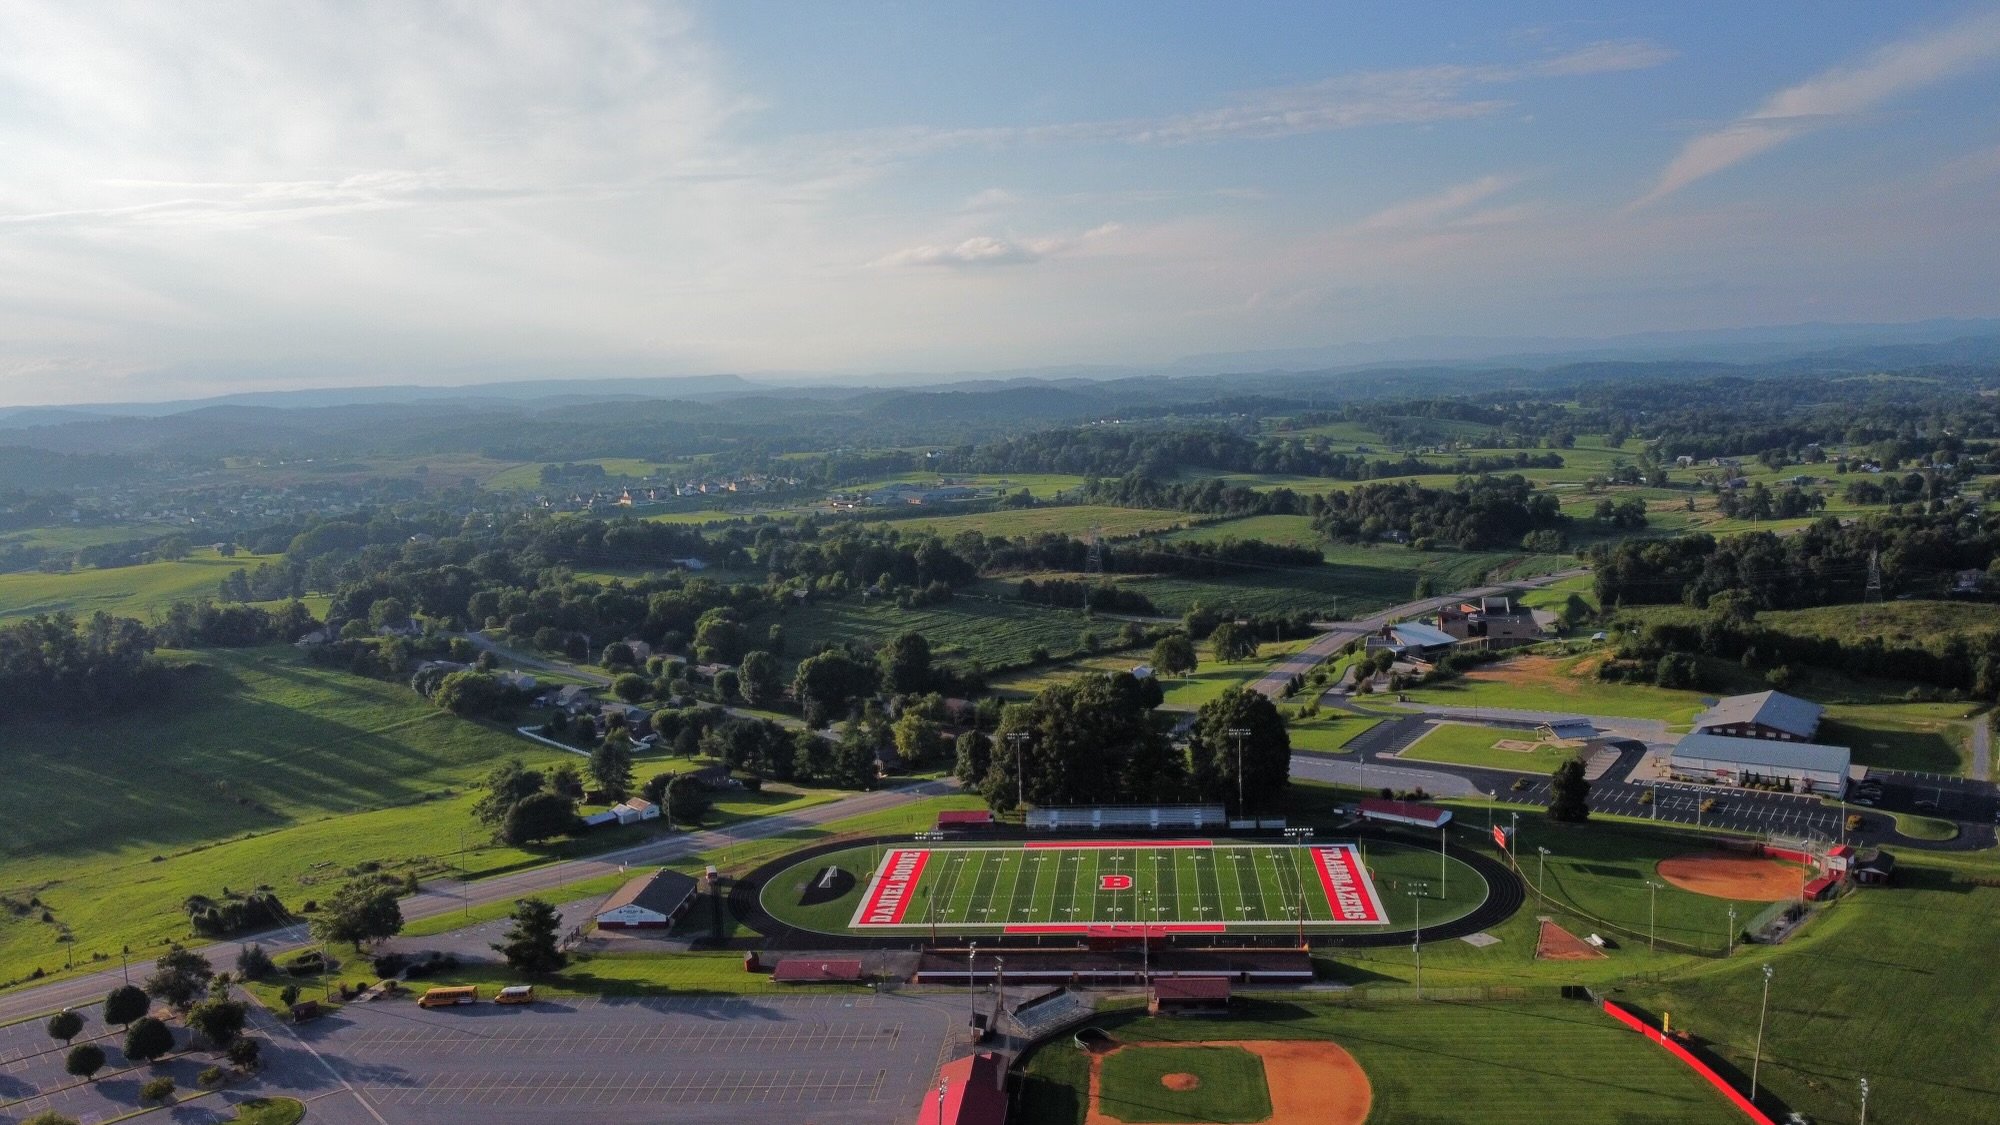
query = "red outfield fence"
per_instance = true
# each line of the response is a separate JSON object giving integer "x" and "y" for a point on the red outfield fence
{"x": 1617, "y": 1012}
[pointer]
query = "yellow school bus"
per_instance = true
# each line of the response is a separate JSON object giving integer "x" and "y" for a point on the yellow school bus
{"x": 445, "y": 997}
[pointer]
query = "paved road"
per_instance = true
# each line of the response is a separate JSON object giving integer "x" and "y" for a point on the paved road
{"x": 445, "y": 896}
{"x": 1273, "y": 682}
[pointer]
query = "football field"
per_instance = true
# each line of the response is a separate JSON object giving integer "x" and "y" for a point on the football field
{"x": 1162, "y": 886}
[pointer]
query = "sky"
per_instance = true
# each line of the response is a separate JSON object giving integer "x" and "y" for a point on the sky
{"x": 222, "y": 196}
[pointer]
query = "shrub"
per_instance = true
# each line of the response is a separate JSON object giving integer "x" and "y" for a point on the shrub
{"x": 211, "y": 1077}
{"x": 157, "y": 1089}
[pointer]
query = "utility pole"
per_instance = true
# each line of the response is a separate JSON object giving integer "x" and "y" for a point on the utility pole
{"x": 1757, "y": 1060}
{"x": 1417, "y": 941}
{"x": 1729, "y": 945}
{"x": 1541, "y": 857}
{"x": 971, "y": 989}
{"x": 1652, "y": 914}
{"x": 1019, "y": 740}
{"x": 1441, "y": 862}
{"x": 1239, "y": 734}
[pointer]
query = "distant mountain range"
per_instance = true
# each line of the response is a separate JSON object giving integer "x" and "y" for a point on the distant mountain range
{"x": 1843, "y": 348}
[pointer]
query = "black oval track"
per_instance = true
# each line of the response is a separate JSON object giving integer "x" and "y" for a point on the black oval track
{"x": 1504, "y": 895}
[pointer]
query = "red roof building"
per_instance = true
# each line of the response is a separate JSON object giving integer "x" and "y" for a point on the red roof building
{"x": 1189, "y": 994}
{"x": 1404, "y": 812}
{"x": 975, "y": 1093}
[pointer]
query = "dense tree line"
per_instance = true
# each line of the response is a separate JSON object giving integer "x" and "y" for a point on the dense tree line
{"x": 1823, "y": 564}
{"x": 1480, "y": 512}
{"x": 52, "y": 662}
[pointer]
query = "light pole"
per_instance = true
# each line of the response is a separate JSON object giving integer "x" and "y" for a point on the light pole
{"x": 1729, "y": 944}
{"x": 1864, "y": 1101}
{"x": 1145, "y": 939}
{"x": 1652, "y": 914}
{"x": 1239, "y": 734}
{"x": 1417, "y": 940}
{"x": 1441, "y": 862}
{"x": 1019, "y": 738}
{"x": 1541, "y": 857}
{"x": 971, "y": 988}
{"x": 1757, "y": 1060}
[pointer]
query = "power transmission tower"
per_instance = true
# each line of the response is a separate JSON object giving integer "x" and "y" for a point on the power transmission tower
{"x": 1873, "y": 595}
{"x": 1093, "y": 563}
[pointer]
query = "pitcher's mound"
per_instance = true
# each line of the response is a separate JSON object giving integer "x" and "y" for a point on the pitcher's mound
{"x": 1180, "y": 1082}
{"x": 1746, "y": 878}
{"x": 1558, "y": 944}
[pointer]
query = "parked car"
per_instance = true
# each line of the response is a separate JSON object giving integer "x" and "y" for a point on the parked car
{"x": 516, "y": 994}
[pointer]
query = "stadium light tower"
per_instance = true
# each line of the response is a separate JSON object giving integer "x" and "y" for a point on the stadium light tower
{"x": 1020, "y": 740}
{"x": 1757, "y": 1060}
{"x": 1239, "y": 734}
{"x": 971, "y": 988}
{"x": 1652, "y": 914}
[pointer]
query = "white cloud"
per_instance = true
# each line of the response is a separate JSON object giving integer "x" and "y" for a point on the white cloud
{"x": 1833, "y": 96}
{"x": 1431, "y": 209}
{"x": 994, "y": 250}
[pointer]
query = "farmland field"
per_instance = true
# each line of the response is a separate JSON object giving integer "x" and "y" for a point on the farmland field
{"x": 1041, "y": 486}
{"x": 1165, "y": 886}
{"x": 1209, "y": 680}
{"x": 529, "y": 477}
{"x": 133, "y": 591}
{"x": 1354, "y": 581}
{"x": 997, "y": 633}
{"x": 1072, "y": 520}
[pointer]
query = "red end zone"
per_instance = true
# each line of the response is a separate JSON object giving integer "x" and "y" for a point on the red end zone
{"x": 1349, "y": 890}
{"x": 889, "y": 898}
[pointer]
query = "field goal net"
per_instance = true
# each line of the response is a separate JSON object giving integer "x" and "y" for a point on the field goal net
{"x": 1097, "y": 818}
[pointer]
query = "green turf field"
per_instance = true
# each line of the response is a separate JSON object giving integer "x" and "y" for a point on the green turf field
{"x": 1232, "y": 886}
{"x": 1531, "y": 1062}
{"x": 1468, "y": 744}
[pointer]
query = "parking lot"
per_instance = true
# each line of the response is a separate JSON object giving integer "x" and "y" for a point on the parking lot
{"x": 859, "y": 1057}
{"x": 825, "y": 1058}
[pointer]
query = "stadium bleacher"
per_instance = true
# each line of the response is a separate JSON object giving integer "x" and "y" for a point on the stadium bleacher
{"x": 1152, "y": 818}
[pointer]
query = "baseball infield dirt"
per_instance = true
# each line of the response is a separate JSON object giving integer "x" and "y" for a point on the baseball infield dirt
{"x": 1746, "y": 878}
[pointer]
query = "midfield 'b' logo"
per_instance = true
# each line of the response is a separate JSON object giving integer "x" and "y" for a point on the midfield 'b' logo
{"x": 1114, "y": 882}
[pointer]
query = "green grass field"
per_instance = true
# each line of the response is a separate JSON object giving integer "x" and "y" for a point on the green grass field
{"x": 528, "y": 478}
{"x": 988, "y": 889}
{"x": 133, "y": 591}
{"x": 1877, "y": 988}
{"x": 1931, "y": 737}
{"x": 1913, "y": 623}
{"x": 1231, "y": 1085}
{"x": 1547, "y": 683}
{"x": 1467, "y": 744}
{"x": 1498, "y": 1063}
{"x": 1074, "y": 520}
{"x": 1042, "y": 486}
{"x": 1329, "y": 732}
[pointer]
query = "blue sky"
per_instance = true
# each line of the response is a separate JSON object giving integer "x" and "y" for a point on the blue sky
{"x": 211, "y": 198}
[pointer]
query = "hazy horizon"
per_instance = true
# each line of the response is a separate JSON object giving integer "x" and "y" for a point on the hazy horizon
{"x": 213, "y": 201}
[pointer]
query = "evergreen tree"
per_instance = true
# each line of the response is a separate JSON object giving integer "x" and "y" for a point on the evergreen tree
{"x": 532, "y": 944}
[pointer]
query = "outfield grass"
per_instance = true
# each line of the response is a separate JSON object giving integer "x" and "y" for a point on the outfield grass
{"x": 131, "y": 591}
{"x": 1545, "y": 683}
{"x": 1516, "y": 1063}
{"x": 1467, "y": 744}
{"x": 1232, "y": 1087}
{"x": 1877, "y": 987}
{"x": 1073, "y": 520}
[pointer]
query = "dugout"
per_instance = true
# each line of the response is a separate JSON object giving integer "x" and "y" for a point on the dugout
{"x": 1197, "y": 996}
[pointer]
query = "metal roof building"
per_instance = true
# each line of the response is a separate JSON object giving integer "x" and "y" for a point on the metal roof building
{"x": 1767, "y": 714}
{"x": 1810, "y": 767}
